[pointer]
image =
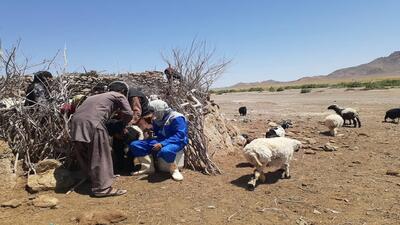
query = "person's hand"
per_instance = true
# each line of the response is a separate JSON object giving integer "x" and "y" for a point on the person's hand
{"x": 157, "y": 147}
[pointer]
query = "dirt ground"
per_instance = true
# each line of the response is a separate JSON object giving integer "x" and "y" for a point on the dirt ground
{"x": 348, "y": 186}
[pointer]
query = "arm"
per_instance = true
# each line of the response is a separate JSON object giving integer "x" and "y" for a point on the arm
{"x": 137, "y": 110}
{"x": 125, "y": 111}
{"x": 180, "y": 127}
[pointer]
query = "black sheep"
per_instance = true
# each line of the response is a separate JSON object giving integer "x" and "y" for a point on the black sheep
{"x": 348, "y": 114}
{"x": 243, "y": 111}
{"x": 393, "y": 114}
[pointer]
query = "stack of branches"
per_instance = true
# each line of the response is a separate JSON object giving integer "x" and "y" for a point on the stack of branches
{"x": 33, "y": 132}
{"x": 189, "y": 95}
{"x": 38, "y": 132}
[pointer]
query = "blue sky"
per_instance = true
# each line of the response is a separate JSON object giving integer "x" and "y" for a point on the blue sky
{"x": 280, "y": 40}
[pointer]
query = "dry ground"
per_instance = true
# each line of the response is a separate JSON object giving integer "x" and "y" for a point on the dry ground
{"x": 349, "y": 186}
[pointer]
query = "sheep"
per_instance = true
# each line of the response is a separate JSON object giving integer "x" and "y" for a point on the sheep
{"x": 349, "y": 114}
{"x": 279, "y": 131}
{"x": 276, "y": 152}
{"x": 243, "y": 111}
{"x": 333, "y": 122}
{"x": 393, "y": 114}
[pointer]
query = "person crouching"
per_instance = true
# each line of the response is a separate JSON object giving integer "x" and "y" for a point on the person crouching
{"x": 171, "y": 136}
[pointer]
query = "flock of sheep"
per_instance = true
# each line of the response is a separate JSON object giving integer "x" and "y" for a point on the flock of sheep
{"x": 276, "y": 150}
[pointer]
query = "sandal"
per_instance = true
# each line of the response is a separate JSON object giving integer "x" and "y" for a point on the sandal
{"x": 110, "y": 192}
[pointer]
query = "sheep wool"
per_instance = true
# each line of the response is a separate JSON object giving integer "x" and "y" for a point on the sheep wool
{"x": 333, "y": 122}
{"x": 276, "y": 152}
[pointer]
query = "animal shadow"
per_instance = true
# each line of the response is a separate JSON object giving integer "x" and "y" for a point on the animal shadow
{"x": 158, "y": 177}
{"x": 326, "y": 133}
{"x": 244, "y": 165}
{"x": 271, "y": 178}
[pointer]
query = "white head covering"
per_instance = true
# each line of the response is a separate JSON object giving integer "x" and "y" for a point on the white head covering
{"x": 161, "y": 109}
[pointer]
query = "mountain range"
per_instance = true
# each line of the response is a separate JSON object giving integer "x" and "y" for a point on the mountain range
{"x": 380, "y": 68}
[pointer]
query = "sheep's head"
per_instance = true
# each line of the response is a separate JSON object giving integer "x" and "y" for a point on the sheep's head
{"x": 133, "y": 133}
{"x": 333, "y": 107}
{"x": 296, "y": 145}
{"x": 243, "y": 139}
{"x": 285, "y": 124}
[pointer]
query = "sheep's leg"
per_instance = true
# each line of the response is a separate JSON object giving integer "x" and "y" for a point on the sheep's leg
{"x": 333, "y": 132}
{"x": 262, "y": 175}
{"x": 258, "y": 174}
{"x": 354, "y": 122}
{"x": 286, "y": 172}
{"x": 251, "y": 185}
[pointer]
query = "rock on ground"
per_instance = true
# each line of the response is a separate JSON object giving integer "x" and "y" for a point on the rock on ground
{"x": 7, "y": 176}
{"x": 45, "y": 201}
{"x": 101, "y": 217}
{"x": 46, "y": 165}
{"x": 50, "y": 180}
{"x": 14, "y": 203}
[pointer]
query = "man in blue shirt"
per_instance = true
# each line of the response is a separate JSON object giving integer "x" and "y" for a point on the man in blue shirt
{"x": 171, "y": 136}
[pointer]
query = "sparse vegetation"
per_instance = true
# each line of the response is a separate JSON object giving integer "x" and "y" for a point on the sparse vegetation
{"x": 306, "y": 88}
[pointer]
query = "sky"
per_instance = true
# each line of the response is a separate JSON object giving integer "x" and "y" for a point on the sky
{"x": 280, "y": 40}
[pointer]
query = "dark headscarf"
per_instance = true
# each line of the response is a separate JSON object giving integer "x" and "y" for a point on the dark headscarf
{"x": 38, "y": 90}
{"x": 144, "y": 102}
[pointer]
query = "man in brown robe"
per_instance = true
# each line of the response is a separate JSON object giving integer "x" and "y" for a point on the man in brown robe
{"x": 92, "y": 141}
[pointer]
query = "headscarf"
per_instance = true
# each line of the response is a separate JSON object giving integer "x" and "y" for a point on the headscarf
{"x": 144, "y": 102}
{"x": 41, "y": 76}
{"x": 161, "y": 109}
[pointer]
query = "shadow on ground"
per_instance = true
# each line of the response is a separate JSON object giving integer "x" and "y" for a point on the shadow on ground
{"x": 271, "y": 178}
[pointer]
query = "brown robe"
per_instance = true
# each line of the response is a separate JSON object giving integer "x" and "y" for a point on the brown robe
{"x": 91, "y": 139}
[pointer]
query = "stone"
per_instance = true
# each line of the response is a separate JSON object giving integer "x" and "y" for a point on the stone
{"x": 310, "y": 141}
{"x": 45, "y": 201}
{"x": 101, "y": 217}
{"x": 301, "y": 221}
{"x": 310, "y": 152}
{"x": 329, "y": 148}
{"x": 272, "y": 124}
{"x": 46, "y": 165}
{"x": 393, "y": 173}
{"x": 14, "y": 203}
{"x": 7, "y": 177}
{"x": 316, "y": 211}
{"x": 50, "y": 180}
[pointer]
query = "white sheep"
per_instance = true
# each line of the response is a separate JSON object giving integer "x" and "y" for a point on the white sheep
{"x": 276, "y": 152}
{"x": 333, "y": 122}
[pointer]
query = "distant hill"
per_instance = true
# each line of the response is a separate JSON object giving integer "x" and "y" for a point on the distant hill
{"x": 380, "y": 68}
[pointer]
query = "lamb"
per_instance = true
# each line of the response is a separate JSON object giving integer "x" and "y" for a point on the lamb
{"x": 333, "y": 122}
{"x": 280, "y": 130}
{"x": 393, "y": 114}
{"x": 276, "y": 152}
{"x": 243, "y": 111}
{"x": 349, "y": 114}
